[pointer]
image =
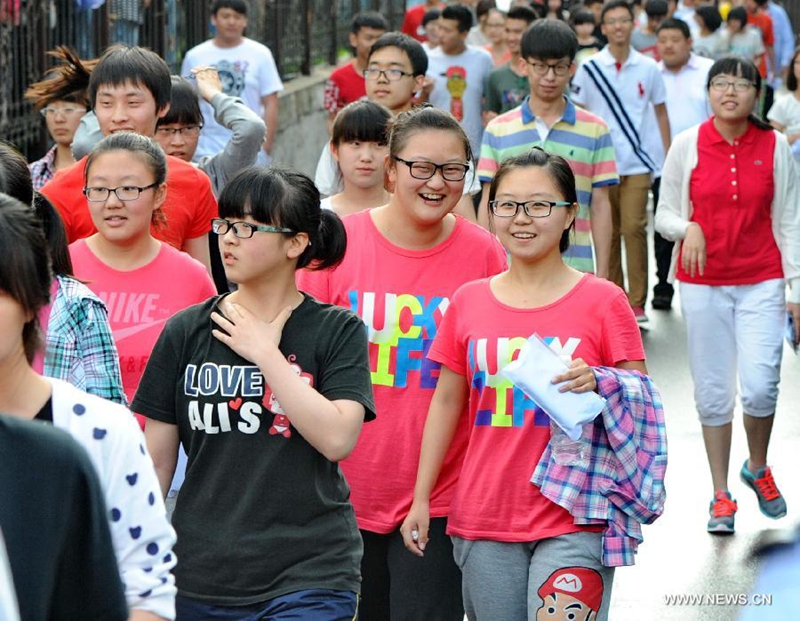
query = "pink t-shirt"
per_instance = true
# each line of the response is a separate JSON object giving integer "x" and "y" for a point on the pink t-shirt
{"x": 401, "y": 295}
{"x": 508, "y": 432}
{"x": 140, "y": 301}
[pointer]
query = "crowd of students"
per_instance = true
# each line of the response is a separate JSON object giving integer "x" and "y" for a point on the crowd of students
{"x": 318, "y": 366}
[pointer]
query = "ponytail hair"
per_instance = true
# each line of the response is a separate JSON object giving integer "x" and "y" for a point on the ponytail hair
{"x": 288, "y": 199}
{"x": 741, "y": 68}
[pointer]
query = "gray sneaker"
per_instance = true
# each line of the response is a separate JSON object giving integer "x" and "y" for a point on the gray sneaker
{"x": 770, "y": 500}
{"x": 722, "y": 511}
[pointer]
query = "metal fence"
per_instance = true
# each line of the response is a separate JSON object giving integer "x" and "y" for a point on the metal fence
{"x": 301, "y": 34}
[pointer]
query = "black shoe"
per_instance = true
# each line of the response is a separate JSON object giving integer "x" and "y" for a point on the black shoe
{"x": 662, "y": 302}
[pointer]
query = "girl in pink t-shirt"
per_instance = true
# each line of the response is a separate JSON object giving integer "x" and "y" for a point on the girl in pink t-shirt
{"x": 404, "y": 261}
{"x": 507, "y": 537}
{"x": 142, "y": 280}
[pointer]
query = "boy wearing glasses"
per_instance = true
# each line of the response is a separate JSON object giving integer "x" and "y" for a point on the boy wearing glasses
{"x": 130, "y": 90}
{"x": 179, "y": 131}
{"x": 547, "y": 119}
{"x": 626, "y": 89}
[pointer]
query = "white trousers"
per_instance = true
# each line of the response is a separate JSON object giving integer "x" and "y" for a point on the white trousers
{"x": 734, "y": 329}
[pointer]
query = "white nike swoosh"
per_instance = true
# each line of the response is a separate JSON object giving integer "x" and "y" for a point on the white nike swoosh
{"x": 124, "y": 333}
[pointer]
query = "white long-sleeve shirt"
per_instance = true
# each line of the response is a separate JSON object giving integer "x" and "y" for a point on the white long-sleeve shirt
{"x": 143, "y": 537}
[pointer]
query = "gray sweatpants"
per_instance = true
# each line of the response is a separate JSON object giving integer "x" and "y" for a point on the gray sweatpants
{"x": 545, "y": 579}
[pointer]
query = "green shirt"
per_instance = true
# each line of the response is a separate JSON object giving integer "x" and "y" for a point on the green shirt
{"x": 505, "y": 89}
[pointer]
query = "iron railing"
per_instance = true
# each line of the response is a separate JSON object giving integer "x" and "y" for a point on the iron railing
{"x": 302, "y": 34}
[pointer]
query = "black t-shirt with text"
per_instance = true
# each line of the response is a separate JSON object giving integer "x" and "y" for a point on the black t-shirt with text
{"x": 261, "y": 512}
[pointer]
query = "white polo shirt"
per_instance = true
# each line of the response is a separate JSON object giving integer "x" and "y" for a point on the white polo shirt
{"x": 624, "y": 97}
{"x": 687, "y": 95}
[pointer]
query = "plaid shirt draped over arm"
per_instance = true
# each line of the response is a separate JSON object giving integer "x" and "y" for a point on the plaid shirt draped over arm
{"x": 79, "y": 346}
{"x": 622, "y": 485}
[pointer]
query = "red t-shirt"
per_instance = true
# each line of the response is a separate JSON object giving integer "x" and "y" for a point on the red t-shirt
{"x": 764, "y": 23}
{"x": 508, "y": 432}
{"x": 412, "y": 22}
{"x": 731, "y": 191}
{"x": 140, "y": 301}
{"x": 401, "y": 295}
{"x": 344, "y": 86}
{"x": 189, "y": 207}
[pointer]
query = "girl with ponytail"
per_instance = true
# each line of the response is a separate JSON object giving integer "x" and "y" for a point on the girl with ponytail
{"x": 267, "y": 389}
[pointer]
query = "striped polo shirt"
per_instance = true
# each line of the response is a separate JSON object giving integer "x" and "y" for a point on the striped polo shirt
{"x": 579, "y": 137}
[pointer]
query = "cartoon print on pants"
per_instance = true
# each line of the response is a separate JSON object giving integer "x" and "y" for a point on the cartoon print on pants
{"x": 571, "y": 594}
{"x": 456, "y": 85}
{"x": 281, "y": 424}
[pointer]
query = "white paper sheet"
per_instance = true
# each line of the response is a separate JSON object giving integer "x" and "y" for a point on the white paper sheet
{"x": 533, "y": 372}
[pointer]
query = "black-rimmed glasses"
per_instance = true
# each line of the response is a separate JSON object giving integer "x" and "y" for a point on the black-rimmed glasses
{"x": 740, "y": 86}
{"x": 533, "y": 209}
{"x": 426, "y": 170}
{"x": 244, "y": 230}
{"x": 393, "y": 75}
{"x": 190, "y": 130}
{"x": 123, "y": 192}
{"x": 560, "y": 69}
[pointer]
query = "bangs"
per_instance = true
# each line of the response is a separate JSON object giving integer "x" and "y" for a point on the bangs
{"x": 735, "y": 66}
{"x": 362, "y": 121}
{"x": 253, "y": 194}
{"x": 184, "y": 107}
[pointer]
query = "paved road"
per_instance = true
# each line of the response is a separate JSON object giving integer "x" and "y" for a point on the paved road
{"x": 678, "y": 557}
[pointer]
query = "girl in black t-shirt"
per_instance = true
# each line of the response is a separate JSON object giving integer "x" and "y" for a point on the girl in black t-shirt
{"x": 266, "y": 389}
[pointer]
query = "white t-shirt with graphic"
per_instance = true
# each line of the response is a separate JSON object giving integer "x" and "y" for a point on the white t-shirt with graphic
{"x": 459, "y": 82}
{"x": 247, "y": 71}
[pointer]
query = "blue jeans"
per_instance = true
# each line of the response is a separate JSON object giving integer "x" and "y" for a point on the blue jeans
{"x": 312, "y": 604}
{"x": 125, "y": 32}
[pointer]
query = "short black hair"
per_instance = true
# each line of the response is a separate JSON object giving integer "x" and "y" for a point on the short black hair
{"x": 738, "y": 13}
{"x": 413, "y": 49}
{"x": 791, "y": 79}
{"x": 120, "y": 64}
{"x": 16, "y": 177}
{"x": 184, "y": 107}
{"x": 460, "y": 14}
{"x": 368, "y": 19}
{"x": 240, "y": 6}
{"x": 25, "y": 266}
{"x": 588, "y": 3}
{"x": 616, "y": 4}
{"x": 483, "y": 7}
{"x": 582, "y": 16}
{"x": 672, "y": 23}
{"x": 288, "y": 199}
{"x": 656, "y": 8}
{"x": 523, "y": 13}
{"x": 710, "y": 16}
{"x": 549, "y": 39}
{"x": 430, "y": 16}
{"x": 362, "y": 121}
